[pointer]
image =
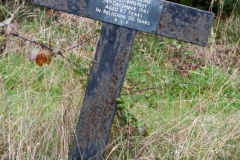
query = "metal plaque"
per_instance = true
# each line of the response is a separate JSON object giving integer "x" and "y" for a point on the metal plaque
{"x": 141, "y": 15}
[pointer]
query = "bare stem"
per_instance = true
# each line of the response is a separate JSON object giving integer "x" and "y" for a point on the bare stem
{"x": 31, "y": 41}
{"x": 60, "y": 53}
{"x": 80, "y": 44}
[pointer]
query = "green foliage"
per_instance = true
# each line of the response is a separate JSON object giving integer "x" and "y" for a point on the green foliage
{"x": 123, "y": 112}
{"x": 188, "y": 116}
{"x": 228, "y": 5}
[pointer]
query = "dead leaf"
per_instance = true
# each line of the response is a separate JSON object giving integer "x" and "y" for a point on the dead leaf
{"x": 6, "y": 22}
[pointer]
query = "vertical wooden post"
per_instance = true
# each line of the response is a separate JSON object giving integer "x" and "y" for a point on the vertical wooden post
{"x": 112, "y": 55}
{"x": 105, "y": 83}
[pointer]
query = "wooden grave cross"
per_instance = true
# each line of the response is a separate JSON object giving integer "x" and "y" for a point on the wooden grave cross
{"x": 122, "y": 19}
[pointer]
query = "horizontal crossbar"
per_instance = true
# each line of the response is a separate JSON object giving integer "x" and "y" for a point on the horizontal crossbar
{"x": 177, "y": 21}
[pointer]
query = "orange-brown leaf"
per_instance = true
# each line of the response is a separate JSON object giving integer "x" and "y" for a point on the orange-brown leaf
{"x": 43, "y": 57}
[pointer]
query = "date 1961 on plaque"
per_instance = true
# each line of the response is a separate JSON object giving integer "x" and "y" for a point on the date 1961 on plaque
{"x": 142, "y": 15}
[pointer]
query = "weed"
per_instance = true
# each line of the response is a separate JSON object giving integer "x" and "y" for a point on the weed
{"x": 178, "y": 101}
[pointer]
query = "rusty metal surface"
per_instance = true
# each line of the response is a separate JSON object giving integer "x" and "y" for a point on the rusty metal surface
{"x": 185, "y": 23}
{"x": 112, "y": 56}
{"x": 77, "y": 7}
{"x": 105, "y": 83}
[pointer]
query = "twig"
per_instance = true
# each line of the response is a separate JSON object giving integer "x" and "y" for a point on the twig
{"x": 60, "y": 53}
{"x": 142, "y": 90}
{"x": 31, "y": 41}
{"x": 79, "y": 44}
{"x": 69, "y": 61}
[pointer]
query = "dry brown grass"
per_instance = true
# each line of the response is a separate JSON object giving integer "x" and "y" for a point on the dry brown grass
{"x": 39, "y": 107}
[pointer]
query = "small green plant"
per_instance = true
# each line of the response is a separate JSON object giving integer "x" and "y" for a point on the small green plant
{"x": 124, "y": 114}
{"x": 185, "y": 97}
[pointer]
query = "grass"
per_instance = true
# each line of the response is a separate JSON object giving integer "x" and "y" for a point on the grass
{"x": 186, "y": 98}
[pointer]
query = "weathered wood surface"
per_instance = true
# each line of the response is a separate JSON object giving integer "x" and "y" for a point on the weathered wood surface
{"x": 105, "y": 83}
{"x": 177, "y": 21}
